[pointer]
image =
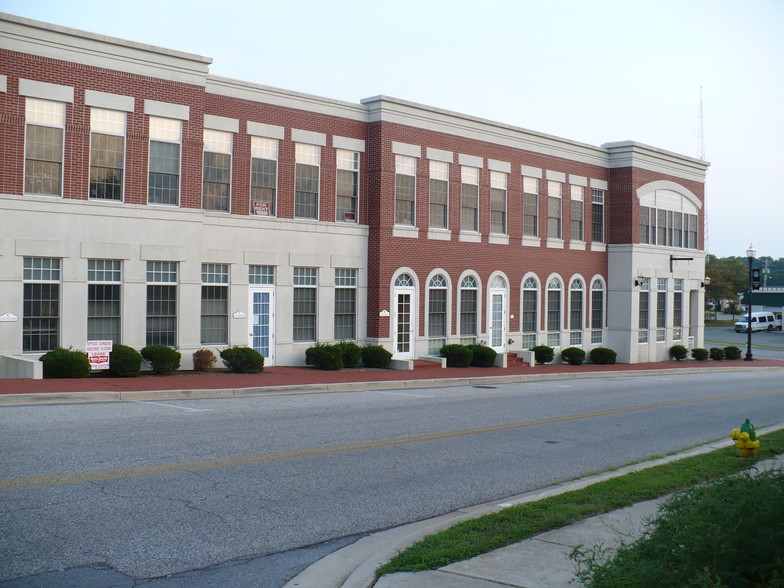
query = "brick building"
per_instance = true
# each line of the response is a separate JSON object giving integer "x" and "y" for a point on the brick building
{"x": 145, "y": 201}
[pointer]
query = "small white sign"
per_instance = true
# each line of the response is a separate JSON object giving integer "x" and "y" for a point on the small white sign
{"x": 240, "y": 315}
{"x": 98, "y": 353}
{"x": 383, "y": 313}
{"x": 8, "y": 317}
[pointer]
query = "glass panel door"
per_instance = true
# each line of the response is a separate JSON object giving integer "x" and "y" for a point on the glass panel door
{"x": 262, "y": 328}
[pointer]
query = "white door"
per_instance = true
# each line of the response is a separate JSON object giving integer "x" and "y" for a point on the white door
{"x": 497, "y": 315}
{"x": 262, "y": 323}
{"x": 403, "y": 323}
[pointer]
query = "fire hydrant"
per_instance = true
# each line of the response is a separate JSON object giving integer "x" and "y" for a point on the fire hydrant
{"x": 746, "y": 439}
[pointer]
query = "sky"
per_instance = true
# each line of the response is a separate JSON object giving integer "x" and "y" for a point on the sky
{"x": 689, "y": 76}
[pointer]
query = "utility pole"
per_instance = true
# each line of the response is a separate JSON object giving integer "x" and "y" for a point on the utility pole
{"x": 765, "y": 273}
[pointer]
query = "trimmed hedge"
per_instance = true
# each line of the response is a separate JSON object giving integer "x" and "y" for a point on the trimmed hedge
{"x": 732, "y": 352}
{"x": 573, "y": 355}
{"x": 483, "y": 356}
{"x": 65, "y": 363}
{"x": 457, "y": 355}
{"x": 325, "y": 356}
{"x": 161, "y": 359}
{"x": 678, "y": 352}
{"x": 375, "y": 356}
{"x": 699, "y": 354}
{"x": 243, "y": 360}
{"x": 203, "y": 360}
{"x": 352, "y": 353}
{"x": 603, "y": 356}
{"x": 124, "y": 362}
{"x": 716, "y": 353}
{"x": 543, "y": 353}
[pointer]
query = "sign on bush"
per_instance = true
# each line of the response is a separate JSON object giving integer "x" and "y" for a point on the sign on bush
{"x": 98, "y": 353}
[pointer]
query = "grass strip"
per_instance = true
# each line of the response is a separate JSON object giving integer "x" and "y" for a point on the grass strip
{"x": 523, "y": 521}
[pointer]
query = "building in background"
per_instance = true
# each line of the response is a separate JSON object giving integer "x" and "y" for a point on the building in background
{"x": 146, "y": 201}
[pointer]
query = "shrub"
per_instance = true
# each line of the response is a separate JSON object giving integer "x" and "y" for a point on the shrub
{"x": 543, "y": 353}
{"x": 483, "y": 356}
{"x": 124, "y": 362}
{"x": 716, "y": 353}
{"x": 352, "y": 354}
{"x": 203, "y": 360}
{"x": 699, "y": 353}
{"x": 732, "y": 352}
{"x": 457, "y": 355}
{"x": 325, "y": 356}
{"x": 161, "y": 359}
{"x": 678, "y": 352}
{"x": 375, "y": 356}
{"x": 65, "y": 363}
{"x": 603, "y": 356}
{"x": 242, "y": 360}
{"x": 573, "y": 355}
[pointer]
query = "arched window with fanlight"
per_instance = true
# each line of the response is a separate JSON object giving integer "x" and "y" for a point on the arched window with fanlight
{"x": 554, "y": 302}
{"x": 530, "y": 312}
{"x": 597, "y": 310}
{"x": 469, "y": 310}
{"x": 576, "y": 296}
{"x": 437, "y": 313}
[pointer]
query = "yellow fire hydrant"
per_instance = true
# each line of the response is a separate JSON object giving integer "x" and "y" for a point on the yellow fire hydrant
{"x": 746, "y": 439}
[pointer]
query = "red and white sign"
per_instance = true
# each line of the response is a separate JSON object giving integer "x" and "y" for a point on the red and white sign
{"x": 261, "y": 208}
{"x": 98, "y": 353}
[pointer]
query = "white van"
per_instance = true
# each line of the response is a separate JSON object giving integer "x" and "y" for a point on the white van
{"x": 760, "y": 321}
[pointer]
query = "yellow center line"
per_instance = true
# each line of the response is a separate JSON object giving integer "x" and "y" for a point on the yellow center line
{"x": 111, "y": 474}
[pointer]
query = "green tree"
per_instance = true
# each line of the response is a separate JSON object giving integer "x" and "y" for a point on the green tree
{"x": 728, "y": 277}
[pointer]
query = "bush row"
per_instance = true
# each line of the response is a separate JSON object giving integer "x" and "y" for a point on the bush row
{"x": 575, "y": 355}
{"x": 468, "y": 355}
{"x": 335, "y": 356}
{"x": 679, "y": 352}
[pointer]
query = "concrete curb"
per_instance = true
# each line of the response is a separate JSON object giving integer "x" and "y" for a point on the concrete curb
{"x": 354, "y": 566}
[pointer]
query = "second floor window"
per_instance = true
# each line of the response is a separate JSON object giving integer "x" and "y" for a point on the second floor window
{"x": 405, "y": 190}
{"x": 306, "y": 180}
{"x": 263, "y": 175}
{"x": 554, "y": 209}
{"x": 216, "y": 184}
{"x": 107, "y": 153}
{"x": 576, "y": 228}
{"x": 530, "y": 206}
{"x": 439, "y": 194}
{"x": 469, "y": 198}
{"x": 164, "y": 177}
{"x": 347, "y": 193}
{"x": 44, "y": 141}
{"x": 497, "y": 202}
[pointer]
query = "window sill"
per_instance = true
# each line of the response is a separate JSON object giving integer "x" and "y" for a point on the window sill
{"x": 470, "y": 237}
{"x": 531, "y": 242}
{"x": 405, "y": 232}
{"x": 439, "y": 234}
{"x": 577, "y": 245}
{"x": 498, "y": 239}
{"x": 555, "y": 243}
{"x": 599, "y": 247}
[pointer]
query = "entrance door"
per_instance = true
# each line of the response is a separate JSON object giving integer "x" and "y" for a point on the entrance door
{"x": 498, "y": 321}
{"x": 404, "y": 331}
{"x": 262, "y": 323}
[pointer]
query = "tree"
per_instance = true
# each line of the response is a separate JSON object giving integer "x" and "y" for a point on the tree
{"x": 728, "y": 277}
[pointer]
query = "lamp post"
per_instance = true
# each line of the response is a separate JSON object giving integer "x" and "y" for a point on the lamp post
{"x": 750, "y": 253}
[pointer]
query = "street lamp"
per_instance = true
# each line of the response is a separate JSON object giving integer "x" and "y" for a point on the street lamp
{"x": 750, "y": 253}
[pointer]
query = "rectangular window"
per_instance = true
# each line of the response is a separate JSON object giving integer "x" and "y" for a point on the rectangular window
{"x": 576, "y": 317}
{"x": 554, "y": 311}
{"x": 469, "y": 198}
{"x": 263, "y": 175}
{"x": 597, "y": 315}
{"x": 691, "y": 231}
{"x": 498, "y": 185}
{"x": 468, "y": 315}
{"x": 164, "y": 176}
{"x": 661, "y": 227}
{"x": 597, "y": 217}
{"x": 261, "y": 275}
{"x": 439, "y": 194}
{"x": 162, "y": 303}
{"x": 44, "y": 141}
{"x": 104, "y": 282}
{"x": 436, "y": 319}
{"x": 214, "y": 304}
{"x": 645, "y": 225}
{"x": 345, "y": 304}
{"x": 405, "y": 190}
{"x": 661, "y": 310}
{"x": 347, "y": 194}
{"x": 41, "y": 304}
{"x": 554, "y": 209}
{"x": 216, "y": 174}
{"x": 107, "y": 153}
{"x": 578, "y": 213}
{"x": 530, "y": 206}
{"x": 529, "y": 311}
{"x": 304, "y": 316}
{"x": 677, "y": 310}
{"x": 643, "y": 322}
{"x": 306, "y": 181}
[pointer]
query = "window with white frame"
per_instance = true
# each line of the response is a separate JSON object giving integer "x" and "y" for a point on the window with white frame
{"x": 469, "y": 198}
{"x": 306, "y": 180}
{"x": 578, "y": 213}
{"x": 216, "y": 180}
{"x": 405, "y": 190}
{"x": 214, "y": 304}
{"x": 576, "y": 296}
{"x": 554, "y": 291}
{"x": 530, "y": 206}
{"x": 661, "y": 310}
{"x": 554, "y": 206}
{"x": 107, "y": 153}
{"x": 439, "y": 194}
{"x": 162, "y": 303}
{"x": 677, "y": 310}
{"x": 164, "y": 161}
{"x": 104, "y": 284}
{"x": 263, "y": 176}
{"x": 41, "y": 304}
{"x": 304, "y": 315}
{"x": 597, "y": 311}
{"x": 261, "y": 275}
{"x": 643, "y": 322}
{"x": 530, "y": 312}
{"x": 597, "y": 216}
{"x": 469, "y": 310}
{"x": 498, "y": 190}
{"x": 345, "y": 304}
{"x": 668, "y": 218}
{"x": 44, "y": 144}
{"x": 436, "y": 314}
{"x": 347, "y": 194}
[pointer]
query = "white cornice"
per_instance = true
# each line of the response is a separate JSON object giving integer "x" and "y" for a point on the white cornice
{"x": 639, "y": 155}
{"x": 47, "y": 40}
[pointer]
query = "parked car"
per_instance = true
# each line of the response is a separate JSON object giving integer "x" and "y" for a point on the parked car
{"x": 760, "y": 321}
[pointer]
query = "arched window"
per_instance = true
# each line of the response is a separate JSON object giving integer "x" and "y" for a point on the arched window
{"x": 597, "y": 311}
{"x": 668, "y": 218}
{"x": 554, "y": 312}
{"x": 436, "y": 314}
{"x": 469, "y": 310}
{"x": 404, "y": 281}
{"x": 530, "y": 312}
{"x": 576, "y": 312}
{"x": 498, "y": 282}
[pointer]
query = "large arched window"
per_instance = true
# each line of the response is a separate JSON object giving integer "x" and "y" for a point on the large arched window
{"x": 530, "y": 312}
{"x": 469, "y": 310}
{"x": 554, "y": 312}
{"x": 436, "y": 314}
{"x": 597, "y": 311}
{"x": 576, "y": 295}
{"x": 668, "y": 218}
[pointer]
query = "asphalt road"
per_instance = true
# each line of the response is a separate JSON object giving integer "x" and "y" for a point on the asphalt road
{"x": 249, "y": 491}
{"x": 764, "y": 344}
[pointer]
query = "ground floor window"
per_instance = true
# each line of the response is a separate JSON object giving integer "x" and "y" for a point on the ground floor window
{"x": 104, "y": 285}
{"x": 304, "y": 303}
{"x": 345, "y": 304}
{"x": 41, "y": 304}
{"x": 162, "y": 303}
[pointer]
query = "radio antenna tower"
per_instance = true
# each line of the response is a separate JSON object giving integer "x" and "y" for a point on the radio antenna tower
{"x": 701, "y": 154}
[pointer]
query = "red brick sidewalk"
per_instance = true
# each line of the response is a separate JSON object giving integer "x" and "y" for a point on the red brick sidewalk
{"x": 295, "y": 376}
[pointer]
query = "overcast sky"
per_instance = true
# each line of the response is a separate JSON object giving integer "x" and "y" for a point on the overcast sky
{"x": 592, "y": 71}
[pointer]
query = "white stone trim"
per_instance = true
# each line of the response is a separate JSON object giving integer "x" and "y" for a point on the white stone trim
{"x": 221, "y": 123}
{"x": 348, "y": 144}
{"x": 109, "y": 101}
{"x": 439, "y": 234}
{"x": 46, "y": 90}
{"x": 167, "y": 110}
{"x": 406, "y": 149}
{"x": 440, "y": 155}
{"x": 258, "y": 129}
{"x": 3, "y": 83}
{"x": 470, "y": 160}
{"x": 598, "y": 184}
{"x": 309, "y": 137}
{"x": 470, "y": 237}
{"x": 497, "y": 239}
{"x": 555, "y": 176}
{"x": 667, "y": 185}
{"x": 531, "y": 172}
{"x": 578, "y": 181}
{"x": 405, "y": 232}
{"x": 499, "y": 166}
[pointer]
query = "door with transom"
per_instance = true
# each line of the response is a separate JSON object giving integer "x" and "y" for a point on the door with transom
{"x": 497, "y": 322}
{"x": 262, "y": 323}
{"x": 404, "y": 317}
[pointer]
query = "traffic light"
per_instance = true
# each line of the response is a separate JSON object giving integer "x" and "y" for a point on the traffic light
{"x": 755, "y": 279}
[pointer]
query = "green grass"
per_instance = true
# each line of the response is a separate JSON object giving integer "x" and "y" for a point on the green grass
{"x": 720, "y": 323}
{"x": 516, "y": 523}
